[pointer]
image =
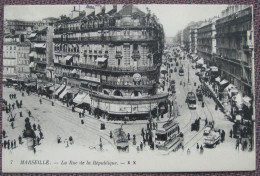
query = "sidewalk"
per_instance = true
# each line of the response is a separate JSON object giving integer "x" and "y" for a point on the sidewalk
{"x": 224, "y": 106}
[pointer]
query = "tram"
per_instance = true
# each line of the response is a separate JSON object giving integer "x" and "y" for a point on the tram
{"x": 199, "y": 94}
{"x": 191, "y": 100}
{"x": 167, "y": 137}
{"x": 120, "y": 139}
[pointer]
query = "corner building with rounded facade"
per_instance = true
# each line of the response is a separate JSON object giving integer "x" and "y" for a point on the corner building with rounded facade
{"x": 112, "y": 57}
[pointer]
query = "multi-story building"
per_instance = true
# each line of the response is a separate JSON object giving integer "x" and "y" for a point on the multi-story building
{"x": 193, "y": 40}
{"x": 206, "y": 42}
{"x": 22, "y": 28}
{"x": 234, "y": 49}
{"x": 23, "y": 61}
{"x": 112, "y": 55}
{"x": 9, "y": 59}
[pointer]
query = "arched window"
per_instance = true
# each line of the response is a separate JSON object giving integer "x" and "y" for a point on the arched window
{"x": 136, "y": 94}
{"x": 106, "y": 92}
{"x": 118, "y": 93}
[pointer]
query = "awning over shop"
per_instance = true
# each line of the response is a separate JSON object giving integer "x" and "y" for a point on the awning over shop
{"x": 31, "y": 84}
{"x": 64, "y": 92}
{"x": 31, "y": 55}
{"x": 73, "y": 90}
{"x": 239, "y": 100}
{"x": 231, "y": 89}
{"x": 68, "y": 57}
{"x": 214, "y": 69}
{"x": 223, "y": 82}
{"x": 101, "y": 59}
{"x": 59, "y": 89}
{"x": 204, "y": 66}
{"x": 246, "y": 101}
{"x": 87, "y": 99}
{"x": 217, "y": 79}
{"x": 201, "y": 61}
{"x": 40, "y": 45}
{"x": 79, "y": 98}
{"x": 74, "y": 71}
{"x": 33, "y": 35}
{"x": 31, "y": 65}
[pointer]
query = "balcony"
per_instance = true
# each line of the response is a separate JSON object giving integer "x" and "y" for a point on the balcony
{"x": 41, "y": 61}
{"x": 38, "y": 70}
{"x": 136, "y": 54}
{"x": 119, "y": 54}
{"x": 104, "y": 68}
{"x": 125, "y": 84}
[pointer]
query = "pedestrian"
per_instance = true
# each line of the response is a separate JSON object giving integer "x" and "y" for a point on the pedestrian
{"x": 82, "y": 121}
{"x": 79, "y": 114}
{"x": 39, "y": 127}
{"x": 5, "y": 143}
{"x": 230, "y": 133}
{"x": 14, "y": 96}
{"x": 40, "y": 101}
{"x": 188, "y": 151}
{"x": 223, "y": 132}
{"x": 29, "y": 113}
{"x": 4, "y": 133}
{"x": 10, "y": 96}
{"x": 71, "y": 140}
{"x": 38, "y": 140}
{"x": 58, "y": 139}
{"x": 34, "y": 150}
{"x": 21, "y": 114}
{"x": 21, "y": 103}
{"x": 110, "y": 134}
{"x": 14, "y": 143}
{"x": 41, "y": 135}
{"x": 52, "y": 103}
{"x": 34, "y": 127}
{"x": 13, "y": 105}
{"x": 201, "y": 149}
{"x": 12, "y": 125}
{"x": 128, "y": 136}
{"x": 20, "y": 139}
{"x": 8, "y": 144}
{"x": 22, "y": 93}
{"x": 198, "y": 146}
{"x": 237, "y": 144}
{"x": 141, "y": 146}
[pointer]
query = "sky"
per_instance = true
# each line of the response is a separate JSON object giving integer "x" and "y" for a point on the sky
{"x": 173, "y": 17}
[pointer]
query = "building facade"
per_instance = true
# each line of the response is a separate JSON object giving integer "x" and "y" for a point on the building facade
{"x": 9, "y": 58}
{"x": 193, "y": 40}
{"x": 23, "y": 61}
{"x": 234, "y": 47}
{"x": 113, "y": 56}
{"x": 206, "y": 41}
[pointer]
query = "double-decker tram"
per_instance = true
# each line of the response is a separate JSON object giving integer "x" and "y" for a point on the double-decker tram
{"x": 167, "y": 137}
{"x": 120, "y": 139}
{"x": 191, "y": 100}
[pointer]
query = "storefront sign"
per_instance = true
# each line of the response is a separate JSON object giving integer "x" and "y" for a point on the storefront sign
{"x": 137, "y": 77}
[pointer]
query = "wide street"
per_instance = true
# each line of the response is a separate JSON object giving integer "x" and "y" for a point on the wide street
{"x": 188, "y": 116}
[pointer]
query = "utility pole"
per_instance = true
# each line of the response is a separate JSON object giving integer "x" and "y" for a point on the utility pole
{"x": 188, "y": 73}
